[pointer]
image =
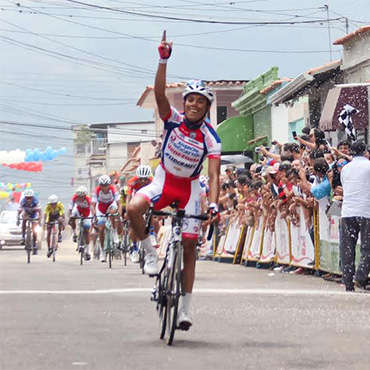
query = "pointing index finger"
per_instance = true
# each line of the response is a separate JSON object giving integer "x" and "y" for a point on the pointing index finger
{"x": 164, "y": 36}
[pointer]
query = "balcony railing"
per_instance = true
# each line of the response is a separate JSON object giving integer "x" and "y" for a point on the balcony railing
{"x": 98, "y": 146}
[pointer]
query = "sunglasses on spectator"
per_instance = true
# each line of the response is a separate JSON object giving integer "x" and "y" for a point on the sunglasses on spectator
{"x": 342, "y": 164}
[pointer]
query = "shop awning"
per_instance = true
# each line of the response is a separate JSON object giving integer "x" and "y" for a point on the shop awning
{"x": 235, "y": 132}
{"x": 340, "y": 95}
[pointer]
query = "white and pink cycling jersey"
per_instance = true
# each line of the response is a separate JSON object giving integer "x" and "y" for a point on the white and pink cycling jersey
{"x": 104, "y": 200}
{"x": 183, "y": 149}
{"x": 81, "y": 204}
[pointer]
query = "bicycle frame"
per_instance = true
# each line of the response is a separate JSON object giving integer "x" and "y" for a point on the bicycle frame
{"x": 108, "y": 239}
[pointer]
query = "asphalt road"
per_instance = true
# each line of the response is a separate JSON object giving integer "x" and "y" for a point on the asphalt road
{"x": 65, "y": 316}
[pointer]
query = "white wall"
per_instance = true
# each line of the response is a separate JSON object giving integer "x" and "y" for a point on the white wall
{"x": 356, "y": 51}
{"x": 279, "y": 123}
{"x": 131, "y": 132}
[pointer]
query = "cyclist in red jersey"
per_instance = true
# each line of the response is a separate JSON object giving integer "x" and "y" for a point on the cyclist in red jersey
{"x": 105, "y": 200}
{"x": 80, "y": 206}
{"x": 187, "y": 141}
{"x": 143, "y": 178}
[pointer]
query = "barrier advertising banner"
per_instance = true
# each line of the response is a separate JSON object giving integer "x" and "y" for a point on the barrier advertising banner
{"x": 282, "y": 240}
{"x": 254, "y": 249}
{"x": 329, "y": 244}
{"x": 231, "y": 241}
{"x": 247, "y": 242}
{"x": 302, "y": 247}
{"x": 268, "y": 246}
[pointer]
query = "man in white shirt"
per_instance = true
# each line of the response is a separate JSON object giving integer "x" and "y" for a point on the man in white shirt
{"x": 355, "y": 178}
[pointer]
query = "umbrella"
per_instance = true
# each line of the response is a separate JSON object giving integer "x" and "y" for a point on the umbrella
{"x": 235, "y": 159}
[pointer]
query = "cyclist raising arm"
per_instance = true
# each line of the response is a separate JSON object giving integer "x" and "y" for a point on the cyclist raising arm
{"x": 188, "y": 139}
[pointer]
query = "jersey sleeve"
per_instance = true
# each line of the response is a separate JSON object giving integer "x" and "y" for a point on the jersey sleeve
{"x": 72, "y": 203}
{"x": 61, "y": 209}
{"x": 213, "y": 142}
{"x": 94, "y": 197}
{"x": 174, "y": 119}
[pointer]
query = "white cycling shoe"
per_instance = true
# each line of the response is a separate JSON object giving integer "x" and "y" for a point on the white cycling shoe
{"x": 185, "y": 320}
{"x": 103, "y": 257}
{"x": 151, "y": 264}
{"x": 135, "y": 257}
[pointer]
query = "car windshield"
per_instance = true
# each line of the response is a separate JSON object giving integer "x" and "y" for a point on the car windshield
{"x": 8, "y": 217}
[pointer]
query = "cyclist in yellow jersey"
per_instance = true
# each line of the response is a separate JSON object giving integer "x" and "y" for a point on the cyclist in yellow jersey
{"x": 54, "y": 211}
{"x": 123, "y": 199}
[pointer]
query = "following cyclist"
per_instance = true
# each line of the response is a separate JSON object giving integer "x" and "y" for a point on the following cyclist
{"x": 105, "y": 200}
{"x": 143, "y": 178}
{"x": 188, "y": 139}
{"x": 29, "y": 209}
{"x": 80, "y": 207}
{"x": 54, "y": 211}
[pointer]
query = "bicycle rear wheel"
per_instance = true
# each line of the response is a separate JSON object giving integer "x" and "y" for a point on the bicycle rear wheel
{"x": 173, "y": 296}
{"x": 28, "y": 243}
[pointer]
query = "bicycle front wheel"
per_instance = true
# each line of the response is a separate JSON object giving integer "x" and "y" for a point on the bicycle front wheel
{"x": 53, "y": 243}
{"x": 109, "y": 247}
{"x": 162, "y": 306}
{"x": 173, "y": 295}
{"x": 29, "y": 244}
{"x": 81, "y": 246}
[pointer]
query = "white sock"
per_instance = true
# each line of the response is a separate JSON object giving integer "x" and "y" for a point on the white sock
{"x": 147, "y": 245}
{"x": 185, "y": 302}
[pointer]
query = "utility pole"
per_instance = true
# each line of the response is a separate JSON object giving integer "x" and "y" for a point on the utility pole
{"x": 326, "y": 8}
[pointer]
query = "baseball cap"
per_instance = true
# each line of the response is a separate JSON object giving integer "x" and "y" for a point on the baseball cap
{"x": 274, "y": 169}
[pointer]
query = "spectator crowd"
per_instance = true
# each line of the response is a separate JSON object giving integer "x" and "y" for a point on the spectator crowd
{"x": 305, "y": 173}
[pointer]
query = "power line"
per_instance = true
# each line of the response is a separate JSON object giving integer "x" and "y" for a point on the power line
{"x": 194, "y": 19}
{"x": 61, "y": 94}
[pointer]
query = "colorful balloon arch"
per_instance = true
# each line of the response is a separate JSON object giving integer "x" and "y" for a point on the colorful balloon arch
{"x": 30, "y": 159}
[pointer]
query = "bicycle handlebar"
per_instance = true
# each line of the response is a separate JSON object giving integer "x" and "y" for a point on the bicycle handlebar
{"x": 179, "y": 214}
{"x": 107, "y": 215}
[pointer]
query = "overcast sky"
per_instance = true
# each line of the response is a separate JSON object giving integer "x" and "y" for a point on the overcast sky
{"x": 69, "y": 62}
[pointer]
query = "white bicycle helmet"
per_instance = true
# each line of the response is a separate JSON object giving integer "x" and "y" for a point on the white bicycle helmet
{"x": 81, "y": 191}
{"x": 53, "y": 199}
{"x": 28, "y": 193}
{"x": 104, "y": 180}
{"x": 198, "y": 87}
{"x": 144, "y": 172}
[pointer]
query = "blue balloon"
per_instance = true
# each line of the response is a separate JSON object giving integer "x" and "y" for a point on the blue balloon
{"x": 54, "y": 154}
{"x": 44, "y": 157}
{"x": 62, "y": 151}
{"x": 48, "y": 150}
{"x": 36, "y": 155}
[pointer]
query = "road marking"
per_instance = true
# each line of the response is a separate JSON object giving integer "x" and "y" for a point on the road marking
{"x": 257, "y": 291}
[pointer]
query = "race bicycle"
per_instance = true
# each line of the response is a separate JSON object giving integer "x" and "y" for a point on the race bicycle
{"x": 169, "y": 281}
{"x": 53, "y": 238}
{"x": 110, "y": 247}
{"x": 81, "y": 242}
{"x": 125, "y": 246}
{"x": 29, "y": 242}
